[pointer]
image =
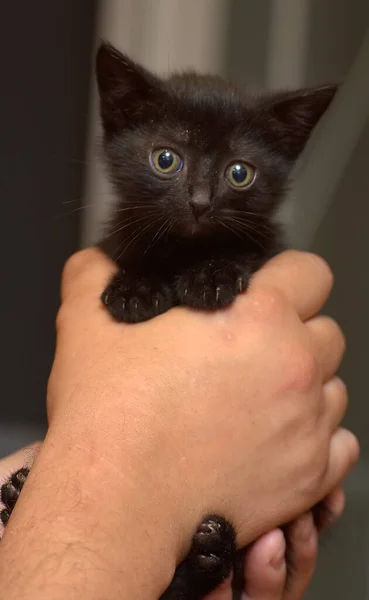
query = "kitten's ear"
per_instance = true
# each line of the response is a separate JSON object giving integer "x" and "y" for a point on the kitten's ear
{"x": 293, "y": 116}
{"x": 126, "y": 89}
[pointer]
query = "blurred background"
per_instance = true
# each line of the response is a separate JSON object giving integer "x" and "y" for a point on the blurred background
{"x": 54, "y": 194}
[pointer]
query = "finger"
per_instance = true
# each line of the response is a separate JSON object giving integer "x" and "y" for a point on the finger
{"x": 336, "y": 400}
{"x": 302, "y": 548}
{"x": 86, "y": 273}
{"x": 329, "y": 510}
{"x": 329, "y": 344}
{"x": 304, "y": 278}
{"x": 223, "y": 592}
{"x": 343, "y": 456}
{"x": 265, "y": 567}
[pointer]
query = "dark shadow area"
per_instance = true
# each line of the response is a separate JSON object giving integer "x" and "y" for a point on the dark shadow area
{"x": 45, "y": 81}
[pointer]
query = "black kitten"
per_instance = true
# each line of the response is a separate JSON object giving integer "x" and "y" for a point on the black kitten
{"x": 199, "y": 168}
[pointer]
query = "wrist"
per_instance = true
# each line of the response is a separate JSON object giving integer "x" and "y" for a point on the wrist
{"x": 137, "y": 449}
{"x": 84, "y": 520}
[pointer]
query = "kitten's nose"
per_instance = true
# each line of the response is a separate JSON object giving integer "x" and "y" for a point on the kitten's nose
{"x": 200, "y": 204}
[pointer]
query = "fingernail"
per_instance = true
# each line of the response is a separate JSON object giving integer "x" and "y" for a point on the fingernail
{"x": 277, "y": 560}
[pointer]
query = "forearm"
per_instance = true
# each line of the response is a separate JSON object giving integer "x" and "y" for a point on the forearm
{"x": 83, "y": 530}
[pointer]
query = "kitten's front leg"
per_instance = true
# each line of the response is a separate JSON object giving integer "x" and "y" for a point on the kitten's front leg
{"x": 213, "y": 283}
{"x": 133, "y": 297}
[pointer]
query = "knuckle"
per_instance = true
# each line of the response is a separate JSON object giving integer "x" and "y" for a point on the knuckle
{"x": 315, "y": 468}
{"x": 296, "y": 259}
{"x": 335, "y": 332}
{"x": 268, "y": 303}
{"x": 313, "y": 481}
{"x": 303, "y": 370}
{"x": 322, "y": 266}
{"x": 74, "y": 265}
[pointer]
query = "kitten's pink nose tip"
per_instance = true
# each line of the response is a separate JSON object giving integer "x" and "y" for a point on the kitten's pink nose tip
{"x": 199, "y": 208}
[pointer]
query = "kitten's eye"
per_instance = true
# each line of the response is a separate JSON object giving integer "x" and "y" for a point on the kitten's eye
{"x": 166, "y": 161}
{"x": 240, "y": 174}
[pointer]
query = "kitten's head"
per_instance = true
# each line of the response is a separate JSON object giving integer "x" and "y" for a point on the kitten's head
{"x": 193, "y": 156}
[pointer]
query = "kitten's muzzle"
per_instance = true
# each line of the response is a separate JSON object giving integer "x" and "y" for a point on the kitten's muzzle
{"x": 199, "y": 206}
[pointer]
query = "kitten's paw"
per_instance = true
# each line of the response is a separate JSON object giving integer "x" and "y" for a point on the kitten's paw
{"x": 132, "y": 298}
{"x": 10, "y": 491}
{"x": 212, "y": 284}
{"x": 213, "y": 550}
{"x": 208, "y": 564}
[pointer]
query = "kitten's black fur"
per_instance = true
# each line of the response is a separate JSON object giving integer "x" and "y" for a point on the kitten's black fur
{"x": 192, "y": 238}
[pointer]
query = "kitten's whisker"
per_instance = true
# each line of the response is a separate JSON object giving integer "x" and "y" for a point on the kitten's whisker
{"x": 135, "y": 207}
{"x": 71, "y": 212}
{"x": 72, "y": 159}
{"x": 124, "y": 240}
{"x": 174, "y": 221}
{"x": 82, "y": 198}
{"x": 245, "y": 229}
{"x": 243, "y": 224}
{"x": 133, "y": 240}
{"x": 165, "y": 230}
{"x": 247, "y": 225}
{"x": 229, "y": 229}
{"x": 241, "y": 217}
{"x": 132, "y": 233}
{"x": 136, "y": 237}
{"x": 157, "y": 235}
{"x": 235, "y": 211}
{"x": 78, "y": 208}
{"x": 128, "y": 223}
{"x": 132, "y": 218}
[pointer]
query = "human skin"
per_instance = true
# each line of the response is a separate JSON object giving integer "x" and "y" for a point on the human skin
{"x": 149, "y": 431}
{"x": 266, "y": 575}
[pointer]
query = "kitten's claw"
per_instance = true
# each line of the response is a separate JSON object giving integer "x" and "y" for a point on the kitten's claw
{"x": 209, "y": 562}
{"x": 133, "y": 298}
{"x": 213, "y": 549}
{"x": 213, "y": 284}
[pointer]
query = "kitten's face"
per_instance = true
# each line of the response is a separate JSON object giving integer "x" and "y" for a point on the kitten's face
{"x": 191, "y": 156}
{"x": 198, "y": 163}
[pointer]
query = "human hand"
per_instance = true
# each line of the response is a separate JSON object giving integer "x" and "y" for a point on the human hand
{"x": 266, "y": 572}
{"x": 265, "y": 567}
{"x": 242, "y": 399}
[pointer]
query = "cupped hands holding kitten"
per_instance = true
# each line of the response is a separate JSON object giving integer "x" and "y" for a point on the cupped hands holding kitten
{"x": 153, "y": 426}
{"x": 266, "y": 572}
{"x": 217, "y": 426}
